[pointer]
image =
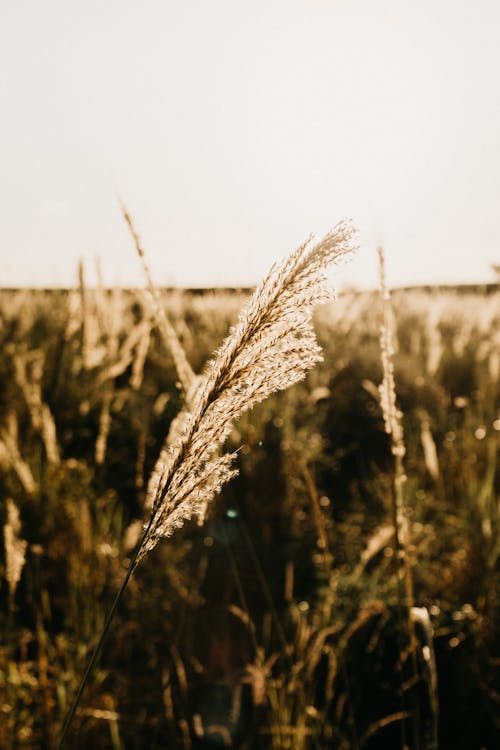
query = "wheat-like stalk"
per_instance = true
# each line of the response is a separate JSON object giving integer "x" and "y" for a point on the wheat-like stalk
{"x": 28, "y": 372}
{"x": 429, "y": 447}
{"x": 141, "y": 352}
{"x": 394, "y": 428}
{"x": 185, "y": 373}
{"x": 15, "y": 548}
{"x": 108, "y": 393}
{"x": 271, "y": 347}
{"x": 165, "y": 327}
{"x": 84, "y": 311}
{"x": 11, "y": 456}
{"x": 420, "y": 616}
{"x": 392, "y": 416}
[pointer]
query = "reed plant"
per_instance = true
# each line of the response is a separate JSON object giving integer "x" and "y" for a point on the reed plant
{"x": 404, "y": 549}
{"x": 272, "y": 347}
{"x": 313, "y": 495}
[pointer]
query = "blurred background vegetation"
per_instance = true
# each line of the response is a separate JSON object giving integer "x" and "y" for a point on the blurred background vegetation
{"x": 279, "y": 623}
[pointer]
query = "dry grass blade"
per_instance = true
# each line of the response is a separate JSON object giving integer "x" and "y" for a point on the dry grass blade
{"x": 420, "y": 616}
{"x": 402, "y": 527}
{"x": 429, "y": 447}
{"x": 381, "y": 723}
{"x": 141, "y": 353}
{"x": 167, "y": 331}
{"x": 101, "y": 442}
{"x": 185, "y": 373}
{"x": 15, "y": 548}
{"x": 392, "y": 416}
{"x": 125, "y": 355}
{"x": 10, "y": 455}
{"x": 28, "y": 370}
{"x": 272, "y": 346}
{"x": 376, "y": 542}
{"x": 84, "y": 312}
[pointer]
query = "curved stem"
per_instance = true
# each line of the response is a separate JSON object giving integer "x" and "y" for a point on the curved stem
{"x": 104, "y": 632}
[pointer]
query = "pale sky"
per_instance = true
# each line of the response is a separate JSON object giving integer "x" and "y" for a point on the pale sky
{"x": 234, "y": 129}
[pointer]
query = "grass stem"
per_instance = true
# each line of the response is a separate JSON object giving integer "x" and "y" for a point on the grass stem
{"x": 102, "y": 637}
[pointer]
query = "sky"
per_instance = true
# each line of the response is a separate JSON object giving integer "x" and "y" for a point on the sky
{"x": 233, "y": 130}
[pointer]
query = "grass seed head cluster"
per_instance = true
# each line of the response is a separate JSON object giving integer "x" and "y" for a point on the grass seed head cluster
{"x": 272, "y": 346}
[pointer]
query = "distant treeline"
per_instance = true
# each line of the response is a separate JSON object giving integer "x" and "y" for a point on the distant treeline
{"x": 485, "y": 288}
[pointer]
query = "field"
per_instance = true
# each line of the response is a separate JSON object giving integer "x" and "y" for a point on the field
{"x": 292, "y": 618}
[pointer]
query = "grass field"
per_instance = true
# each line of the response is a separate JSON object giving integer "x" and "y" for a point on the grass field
{"x": 289, "y": 619}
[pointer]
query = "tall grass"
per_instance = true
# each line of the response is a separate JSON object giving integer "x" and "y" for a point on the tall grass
{"x": 314, "y": 499}
{"x": 271, "y": 348}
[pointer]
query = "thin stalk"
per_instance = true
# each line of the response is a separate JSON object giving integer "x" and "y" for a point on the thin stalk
{"x": 402, "y": 532}
{"x": 265, "y": 587}
{"x": 239, "y": 587}
{"x": 83, "y": 311}
{"x": 402, "y": 610}
{"x": 167, "y": 332}
{"x": 243, "y": 600}
{"x": 104, "y": 632}
{"x": 318, "y": 521}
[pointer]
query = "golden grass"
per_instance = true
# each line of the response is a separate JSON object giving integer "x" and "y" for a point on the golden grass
{"x": 450, "y": 491}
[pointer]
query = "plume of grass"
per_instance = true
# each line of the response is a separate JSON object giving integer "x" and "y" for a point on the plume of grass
{"x": 141, "y": 353}
{"x": 124, "y": 355}
{"x": 10, "y": 454}
{"x": 15, "y": 549}
{"x": 429, "y": 447}
{"x": 29, "y": 380}
{"x": 73, "y": 322}
{"x": 392, "y": 416}
{"x": 165, "y": 327}
{"x": 108, "y": 380}
{"x": 101, "y": 442}
{"x": 393, "y": 422}
{"x": 435, "y": 340}
{"x": 394, "y": 428}
{"x": 272, "y": 347}
{"x": 133, "y": 352}
{"x": 185, "y": 374}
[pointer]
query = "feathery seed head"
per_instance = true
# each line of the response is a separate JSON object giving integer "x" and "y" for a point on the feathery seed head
{"x": 387, "y": 389}
{"x": 271, "y": 347}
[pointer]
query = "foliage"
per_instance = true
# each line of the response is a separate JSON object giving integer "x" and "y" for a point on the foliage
{"x": 276, "y": 624}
